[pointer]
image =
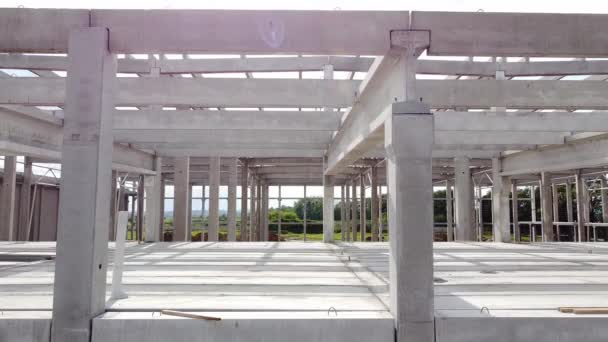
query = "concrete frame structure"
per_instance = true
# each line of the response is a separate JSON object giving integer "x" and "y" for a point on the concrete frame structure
{"x": 495, "y": 128}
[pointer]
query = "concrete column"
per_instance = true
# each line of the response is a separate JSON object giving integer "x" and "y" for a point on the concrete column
{"x": 362, "y": 208}
{"x": 328, "y": 209}
{"x": 355, "y": 211}
{"x": 258, "y": 212}
{"x": 153, "y": 203}
{"x": 113, "y": 206}
{"x": 214, "y": 198}
{"x": 463, "y": 193}
{"x": 533, "y": 209}
{"x": 478, "y": 211}
{"x": 546, "y": 198}
{"x": 580, "y": 207}
{"x": 347, "y": 211}
{"x": 181, "y": 182}
{"x": 189, "y": 229}
{"x": 515, "y": 207}
{"x": 161, "y": 213}
{"x": 408, "y": 142}
{"x": 604, "y": 199}
{"x": 252, "y": 226}
{"x": 140, "y": 208}
{"x": 7, "y": 202}
{"x": 569, "y": 209}
{"x": 342, "y": 214}
{"x": 232, "y": 180}
{"x": 449, "y": 209}
{"x": 500, "y": 204}
{"x": 24, "y": 201}
{"x": 374, "y": 204}
{"x": 380, "y": 223}
{"x": 84, "y": 199}
{"x": 305, "y": 214}
{"x": 266, "y": 230}
{"x": 244, "y": 187}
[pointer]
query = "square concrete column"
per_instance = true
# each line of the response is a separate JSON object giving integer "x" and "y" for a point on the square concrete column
{"x": 252, "y": 215}
{"x": 515, "y": 208}
{"x": 113, "y": 206}
{"x": 214, "y": 198}
{"x": 500, "y": 204}
{"x": 408, "y": 140}
{"x": 140, "y": 207}
{"x": 258, "y": 213}
{"x": 581, "y": 210}
{"x": 161, "y": 218}
{"x": 265, "y": 228}
{"x": 449, "y": 209}
{"x": 463, "y": 193}
{"x": 374, "y": 204}
{"x": 244, "y": 188}
{"x": 362, "y": 208}
{"x": 546, "y": 198}
{"x": 181, "y": 182}
{"x": 24, "y": 201}
{"x": 604, "y": 192}
{"x": 342, "y": 214}
{"x": 232, "y": 180}
{"x": 347, "y": 211}
{"x": 355, "y": 211}
{"x": 328, "y": 209}
{"x": 7, "y": 202}
{"x": 84, "y": 199}
{"x": 569, "y": 208}
{"x": 153, "y": 203}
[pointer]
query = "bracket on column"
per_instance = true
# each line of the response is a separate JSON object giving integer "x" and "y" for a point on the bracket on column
{"x": 411, "y": 107}
{"x": 415, "y": 40}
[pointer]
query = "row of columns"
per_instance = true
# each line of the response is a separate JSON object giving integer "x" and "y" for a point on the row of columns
{"x": 353, "y": 208}
{"x": 462, "y": 227}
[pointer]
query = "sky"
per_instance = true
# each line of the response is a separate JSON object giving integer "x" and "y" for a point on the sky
{"x": 562, "y": 6}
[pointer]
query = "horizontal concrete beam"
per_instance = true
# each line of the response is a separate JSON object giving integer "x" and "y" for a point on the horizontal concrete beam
{"x": 513, "y": 34}
{"x": 226, "y": 120}
{"x": 195, "y": 66}
{"x": 586, "y": 153}
{"x": 513, "y": 94}
{"x": 29, "y": 135}
{"x": 225, "y": 138}
{"x": 522, "y": 121}
{"x": 363, "y": 128}
{"x": 239, "y": 152}
{"x": 513, "y": 69}
{"x": 196, "y": 92}
{"x": 226, "y": 31}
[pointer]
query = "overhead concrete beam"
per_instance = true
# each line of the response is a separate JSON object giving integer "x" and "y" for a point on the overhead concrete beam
{"x": 586, "y": 153}
{"x": 495, "y": 122}
{"x": 517, "y": 94}
{"x": 204, "y": 65}
{"x": 513, "y": 69}
{"x": 196, "y": 92}
{"x": 225, "y": 138}
{"x": 241, "y": 31}
{"x": 226, "y": 120}
{"x": 513, "y": 34}
{"x": 242, "y": 151}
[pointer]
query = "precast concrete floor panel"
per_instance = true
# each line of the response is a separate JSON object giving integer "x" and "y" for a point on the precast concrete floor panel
{"x": 299, "y": 283}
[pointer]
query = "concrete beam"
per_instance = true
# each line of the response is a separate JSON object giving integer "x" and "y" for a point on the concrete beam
{"x": 226, "y": 120}
{"x": 513, "y": 69}
{"x": 513, "y": 34}
{"x": 519, "y": 94}
{"x": 241, "y": 31}
{"x": 192, "y": 66}
{"x": 194, "y": 92}
{"x": 587, "y": 153}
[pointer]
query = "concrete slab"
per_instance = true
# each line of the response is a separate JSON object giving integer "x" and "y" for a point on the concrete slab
{"x": 292, "y": 286}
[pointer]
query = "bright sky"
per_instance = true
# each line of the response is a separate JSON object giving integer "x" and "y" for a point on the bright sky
{"x": 562, "y": 6}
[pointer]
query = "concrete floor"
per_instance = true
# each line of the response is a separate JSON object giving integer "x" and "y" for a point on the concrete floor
{"x": 483, "y": 291}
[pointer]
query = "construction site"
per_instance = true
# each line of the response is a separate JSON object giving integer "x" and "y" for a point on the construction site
{"x": 283, "y": 175}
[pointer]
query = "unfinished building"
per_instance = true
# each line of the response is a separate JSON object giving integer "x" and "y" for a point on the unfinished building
{"x": 102, "y": 111}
